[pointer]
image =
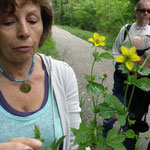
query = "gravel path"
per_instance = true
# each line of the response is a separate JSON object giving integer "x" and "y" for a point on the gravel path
{"x": 78, "y": 54}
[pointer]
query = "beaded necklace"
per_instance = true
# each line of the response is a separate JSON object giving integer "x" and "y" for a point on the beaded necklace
{"x": 25, "y": 87}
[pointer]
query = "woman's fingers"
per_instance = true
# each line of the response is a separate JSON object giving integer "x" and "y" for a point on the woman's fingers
{"x": 30, "y": 142}
{"x": 14, "y": 146}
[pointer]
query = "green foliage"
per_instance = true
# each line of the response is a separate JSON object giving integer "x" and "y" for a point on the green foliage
{"x": 49, "y": 48}
{"x": 53, "y": 146}
{"x": 92, "y": 135}
{"x": 95, "y": 15}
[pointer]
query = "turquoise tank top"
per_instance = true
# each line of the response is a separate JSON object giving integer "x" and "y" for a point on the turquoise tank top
{"x": 47, "y": 118}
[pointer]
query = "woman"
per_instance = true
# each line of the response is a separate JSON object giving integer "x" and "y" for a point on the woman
{"x": 34, "y": 89}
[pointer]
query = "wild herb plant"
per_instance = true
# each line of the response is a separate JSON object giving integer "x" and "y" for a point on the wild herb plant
{"x": 92, "y": 135}
{"x": 53, "y": 146}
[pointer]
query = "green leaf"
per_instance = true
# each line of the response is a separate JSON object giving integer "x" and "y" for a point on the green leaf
{"x": 89, "y": 78}
{"x": 83, "y": 134}
{"x": 123, "y": 68}
{"x": 142, "y": 83}
{"x": 144, "y": 71}
{"x": 106, "y": 55}
{"x": 102, "y": 146}
{"x": 105, "y": 110}
{"x": 55, "y": 144}
{"x": 113, "y": 107}
{"x": 37, "y": 133}
{"x": 95, "y": 88}
{"x": 122, "y": 120}
{"x": 115, "y": 140}
{"x": 130, "y": 134}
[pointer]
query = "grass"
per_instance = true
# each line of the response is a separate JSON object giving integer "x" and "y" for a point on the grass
{"x": 85, "y": 35}
{"x": 49, "y": 48}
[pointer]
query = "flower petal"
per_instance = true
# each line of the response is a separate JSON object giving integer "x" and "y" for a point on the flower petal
{"x": 96, "y": 36}
{"x": 102, "y": 43}
{"x": 129, "y": 64}
{"x": 132, "y": 51}
{"x": 135, "y": 57}
{"x": 124, "y": 50}
{"x": 101, "y": 38}
{"x": 91, "y": 39}
{"x": 120, "y": 59}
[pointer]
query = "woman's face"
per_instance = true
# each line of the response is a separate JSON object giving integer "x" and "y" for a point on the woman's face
{"x": 143, "y": 14}
{"x": 20, "y": 33}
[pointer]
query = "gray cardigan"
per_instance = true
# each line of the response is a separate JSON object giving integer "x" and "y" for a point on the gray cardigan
{"x": 65, "y": 90}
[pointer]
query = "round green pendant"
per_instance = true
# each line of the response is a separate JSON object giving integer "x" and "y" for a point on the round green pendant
{"x": 25, "y": 87}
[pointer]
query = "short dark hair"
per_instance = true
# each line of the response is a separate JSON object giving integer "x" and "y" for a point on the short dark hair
{"x": 46, "y": 13}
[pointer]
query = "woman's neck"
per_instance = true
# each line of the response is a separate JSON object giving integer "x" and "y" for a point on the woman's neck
{"x": 16, "y": 70}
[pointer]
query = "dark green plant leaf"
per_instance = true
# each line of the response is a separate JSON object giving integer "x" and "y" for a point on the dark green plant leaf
{"x": 55, "y": 144}
{"x": 142, "y": 83}
{"x": 144, "y": 71}
{"x": 95, "y": 88}
{"x": 89, "y": 78}
{"x": 123, "y": 68}
{"x": 130, "y": 134}
{"x": 115, "y": 140}
{"x": 37, "y": 133}
{"x": 122, "y": 120}
{"x": 113, "y": 107}
{"x": 95, "y": 54}
{"x": 83, "y": 134}
{"x": 106, "y": 55}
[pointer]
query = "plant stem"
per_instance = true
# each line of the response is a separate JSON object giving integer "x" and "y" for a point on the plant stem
{"x": 93, "y": 64}
{"x": 94, "y": 105}
{"x": 131, "y": 97}
{"x": 144, "y": 61}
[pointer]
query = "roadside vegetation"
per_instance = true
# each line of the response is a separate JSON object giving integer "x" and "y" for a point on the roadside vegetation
{"x": 84, "y": 17}
{"x": 49, "y": 48}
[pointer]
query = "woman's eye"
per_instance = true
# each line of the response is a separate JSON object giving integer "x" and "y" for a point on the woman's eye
{"x": 9, "y": 23}
{"x": 32, "y": 22}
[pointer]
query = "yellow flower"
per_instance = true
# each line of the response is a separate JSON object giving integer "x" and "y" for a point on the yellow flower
{"x": 128, "y": 57}
{"x": 97, "y": 40}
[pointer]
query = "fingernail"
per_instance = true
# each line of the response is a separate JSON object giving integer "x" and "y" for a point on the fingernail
{"x": 28, "y": 148}
{"x": 38, "y": 143}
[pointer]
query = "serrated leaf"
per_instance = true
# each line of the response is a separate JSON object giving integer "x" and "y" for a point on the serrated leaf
{"x": 123, "y": 68}
{"x": 130, "y": 134}
{"x": 142, "y": 83}
{"x": 137, "y": 144}
{"x": 115, "y": 140}
{"x": 113, "y": 107}
{"x": 55, "y": 144}
{"x": 37, "y": 133}
{"x": 122, "y": 120}
{"x": 95, "y": 88}
{"x": 83, "y": 134}
{"x": 144, "y": 71}
{"x": 106, "y": 55}
{"x": 105, "y": 110}
{"x": 102, "y": 146}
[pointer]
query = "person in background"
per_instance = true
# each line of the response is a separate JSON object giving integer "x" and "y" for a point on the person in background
{"x": 138, "y": 28}
{"x": 34, "y": 89}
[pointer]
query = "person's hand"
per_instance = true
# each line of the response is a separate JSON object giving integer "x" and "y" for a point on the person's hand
{"x": 21, "y": 143}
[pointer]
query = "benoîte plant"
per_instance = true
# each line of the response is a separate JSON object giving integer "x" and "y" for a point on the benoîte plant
{"x": 91, "y": 136}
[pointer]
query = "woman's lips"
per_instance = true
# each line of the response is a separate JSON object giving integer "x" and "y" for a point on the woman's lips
{"x": 23, "y": 48}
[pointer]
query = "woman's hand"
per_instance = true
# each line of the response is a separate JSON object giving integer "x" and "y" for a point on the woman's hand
{"x": 21, "y": 143}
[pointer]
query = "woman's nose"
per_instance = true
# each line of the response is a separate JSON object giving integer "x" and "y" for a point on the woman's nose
{"x": 23, "y": 31}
